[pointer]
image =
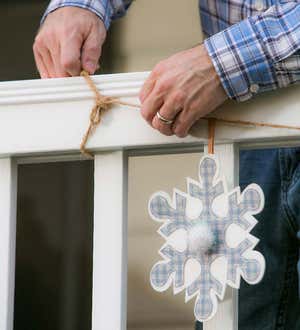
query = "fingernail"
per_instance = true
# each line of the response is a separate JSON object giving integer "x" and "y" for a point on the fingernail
{"x": 90, "y": 67}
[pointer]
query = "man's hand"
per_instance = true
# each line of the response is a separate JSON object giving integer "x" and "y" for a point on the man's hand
{"x": 183, "y": 88}
{"x": 69, "y": 40}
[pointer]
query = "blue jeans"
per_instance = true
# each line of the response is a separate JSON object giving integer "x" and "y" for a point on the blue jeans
{"x": 274, "y": 303}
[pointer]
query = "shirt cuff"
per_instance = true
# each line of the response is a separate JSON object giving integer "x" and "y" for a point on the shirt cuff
{"x": 241, "y": 61}
{"x": 103, "y": 12}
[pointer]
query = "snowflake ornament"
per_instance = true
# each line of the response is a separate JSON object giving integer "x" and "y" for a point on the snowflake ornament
{"x": 208, "y": 240}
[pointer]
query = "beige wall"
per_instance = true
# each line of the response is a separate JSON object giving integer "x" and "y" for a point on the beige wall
{"x": 152, "y": 31}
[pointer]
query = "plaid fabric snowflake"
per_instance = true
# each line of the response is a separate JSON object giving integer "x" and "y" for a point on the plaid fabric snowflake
{"x": 226, "y": 219}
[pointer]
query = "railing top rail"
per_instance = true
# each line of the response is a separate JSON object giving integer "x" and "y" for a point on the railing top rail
{"x": 69, "y": 89}
{"x": 50, "y": 116}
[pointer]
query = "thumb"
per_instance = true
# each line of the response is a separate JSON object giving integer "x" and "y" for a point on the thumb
{"x": 91, "y": 51}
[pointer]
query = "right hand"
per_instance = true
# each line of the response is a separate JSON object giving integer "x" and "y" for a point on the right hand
{"x": 69, "y": 40}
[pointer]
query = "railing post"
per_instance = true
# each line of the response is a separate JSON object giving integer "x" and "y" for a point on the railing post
{"x": 227, "y": 314}
{"x": 8, "y": 196}
{"x": 110, "y": 242}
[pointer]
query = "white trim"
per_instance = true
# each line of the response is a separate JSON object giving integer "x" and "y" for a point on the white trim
{"x": 110, "y": 242}
{"x": 8, "y": 197}
{"x": 69, "y": 89}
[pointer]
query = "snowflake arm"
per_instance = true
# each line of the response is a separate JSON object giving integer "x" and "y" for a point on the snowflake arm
{"x": 161, "y": 209}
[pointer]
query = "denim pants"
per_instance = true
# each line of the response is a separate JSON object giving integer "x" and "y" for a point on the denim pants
{"x": 274, "y": 303}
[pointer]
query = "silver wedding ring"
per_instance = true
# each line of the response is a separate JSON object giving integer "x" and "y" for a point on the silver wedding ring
{"x": 163, "y": 119}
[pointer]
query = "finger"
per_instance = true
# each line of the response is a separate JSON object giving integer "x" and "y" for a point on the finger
{"x": 164, "y": 128}
{"x": 149, "y": 84}
{"x": 70, "y": 56}
{"x": 147, "y": 88}
{"x": 47, "y": 60}
{"x": 56, "y": 58}
{"x": 185, "y": 121}
{"x": 151, "y": 105}
{"x": 40, "y": 65}
{"x": 91, "y": 52}
{"x": 168, "y": 111}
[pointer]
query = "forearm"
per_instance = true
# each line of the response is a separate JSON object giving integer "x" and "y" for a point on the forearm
{"x": 260, "y": 53}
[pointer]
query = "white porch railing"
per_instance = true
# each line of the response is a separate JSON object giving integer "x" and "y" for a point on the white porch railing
{"x": 43, "y": 121}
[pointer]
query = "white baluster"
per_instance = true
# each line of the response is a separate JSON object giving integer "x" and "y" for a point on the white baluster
{"x": 110, "y": 242}
{"x": 8, "y": 191}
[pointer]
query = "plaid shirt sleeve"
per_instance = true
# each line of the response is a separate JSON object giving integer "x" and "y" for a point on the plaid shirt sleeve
{"x": 260, "y": 53}
{"x": 107, "y": 10}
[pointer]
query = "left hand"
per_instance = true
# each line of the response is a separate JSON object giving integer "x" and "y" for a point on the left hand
{"x": 183, "y": 88}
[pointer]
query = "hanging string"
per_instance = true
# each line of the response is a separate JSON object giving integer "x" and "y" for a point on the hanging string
{"x": 103, "y": 104}
{"x": 211, "y": 135}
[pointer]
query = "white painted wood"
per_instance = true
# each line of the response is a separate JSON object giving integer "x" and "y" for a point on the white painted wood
{"x": 51, "y": 116}
{"x": 8, "y": 191}
{"x": 70, "y": 89}
{"x": 227, "y": 314}
{"x": 110, "y": 242}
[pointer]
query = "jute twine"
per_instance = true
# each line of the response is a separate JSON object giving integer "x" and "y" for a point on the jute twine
{"x": 104, "y": 103}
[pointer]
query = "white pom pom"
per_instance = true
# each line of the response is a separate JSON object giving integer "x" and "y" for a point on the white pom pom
{"x": 200, "y": 238}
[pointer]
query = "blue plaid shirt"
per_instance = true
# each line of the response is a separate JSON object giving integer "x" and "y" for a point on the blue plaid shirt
{"x": 253, "y": 44}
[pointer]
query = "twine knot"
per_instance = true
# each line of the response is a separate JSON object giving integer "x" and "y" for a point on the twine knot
{"x": 102, "y": 104}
